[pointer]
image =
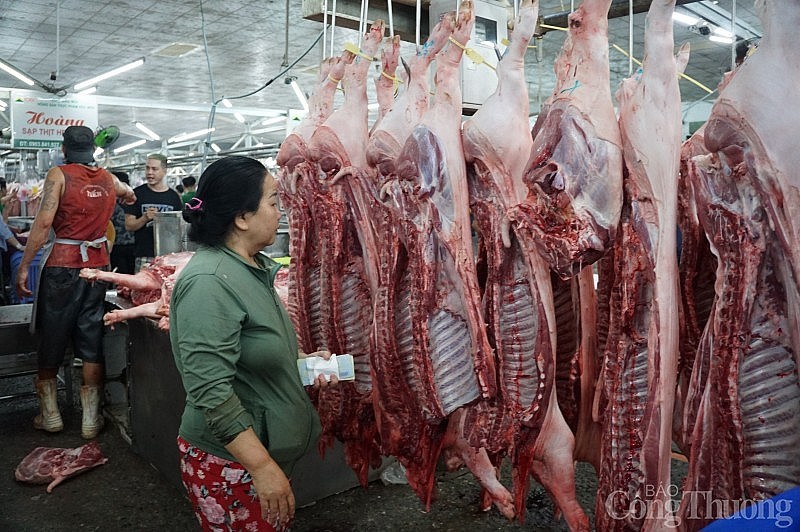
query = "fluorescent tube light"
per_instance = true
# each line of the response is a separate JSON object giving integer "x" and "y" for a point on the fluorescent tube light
{"x": 111, "y": 73}
{"x": 273, "y": 120}
{"x": 130, "y": 146}
{"x": 272, "y": 129}
{"x": 193, "y": 134}
{"x": 722, "y": 40}
{"x": 90, "y": 90}
{"x": 3, "y": 105}
{"x": 147, "y": 131}
{"x": 215, "y": 147}
{"x": 238, "y": 116}
{"x": 227, "y": 103}
{"x": 722, "y": 32}
{"x": 16, "y": 73}
{"x": 683, "y": 18}
{"x": 300, "y": 95}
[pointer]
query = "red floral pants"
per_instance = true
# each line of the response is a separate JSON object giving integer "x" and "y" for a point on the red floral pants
{"x": 221, "y": 492}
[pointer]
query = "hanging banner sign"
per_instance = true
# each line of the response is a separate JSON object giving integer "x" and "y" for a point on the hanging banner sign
{"x": 38, "y": 120}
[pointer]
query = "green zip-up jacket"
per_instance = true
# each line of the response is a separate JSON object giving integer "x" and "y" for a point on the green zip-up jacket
{"x": 236, "y": 352}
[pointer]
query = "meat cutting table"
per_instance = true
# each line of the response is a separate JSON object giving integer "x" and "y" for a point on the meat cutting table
{"x": 155, "y": 399}
{"x": 18, "y": 351}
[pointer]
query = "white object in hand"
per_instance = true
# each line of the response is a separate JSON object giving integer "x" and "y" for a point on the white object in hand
{"x": 340, "y": 365}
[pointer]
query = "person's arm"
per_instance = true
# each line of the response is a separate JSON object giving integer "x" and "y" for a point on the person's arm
{"x": 40, "y": 230}
{"x": 134, "y": 223}
{"x": 274, "y": 491}
{"x": 124, "y": 191}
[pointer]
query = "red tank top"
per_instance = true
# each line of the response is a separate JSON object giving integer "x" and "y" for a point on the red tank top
{"x": 83, "y": 213}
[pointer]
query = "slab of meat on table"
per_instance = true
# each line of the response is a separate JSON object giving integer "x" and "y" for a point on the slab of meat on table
{"x": 639, "y": 375}
{"x": 53, "y": 465}
{"x": 745, "y": 442}
{"x": 149, "y": 289}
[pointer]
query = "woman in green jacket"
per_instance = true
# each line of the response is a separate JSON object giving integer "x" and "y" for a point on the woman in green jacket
{"x": 247, "y": 419}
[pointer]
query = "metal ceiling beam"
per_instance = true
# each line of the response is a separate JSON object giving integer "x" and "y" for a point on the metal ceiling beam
{"x": 405, "y": 21}
{"x": 619, "y": 8}
{"x": 404, "y": 16}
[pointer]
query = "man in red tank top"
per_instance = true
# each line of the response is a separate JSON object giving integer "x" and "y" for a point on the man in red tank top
{"x": 77, "y": 204}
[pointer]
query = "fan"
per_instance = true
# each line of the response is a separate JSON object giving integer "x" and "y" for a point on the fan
{"x": 106, "y": 136}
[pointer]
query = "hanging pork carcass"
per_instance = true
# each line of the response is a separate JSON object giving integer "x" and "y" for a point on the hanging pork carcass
{"x": 523, "y": 420}
{"x": 745, "y": 443}
{"x": 297, "y": 176}
{"x": 639, "y": 373}
{"x": 337, "y": 148}
{"x": 404, "y": 430}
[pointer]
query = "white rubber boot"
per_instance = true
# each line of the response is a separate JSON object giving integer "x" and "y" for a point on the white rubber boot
{"x": 92, "y": 417}
{"x": 49, "y": 417}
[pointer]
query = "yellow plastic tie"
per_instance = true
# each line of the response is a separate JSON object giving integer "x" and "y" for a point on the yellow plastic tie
{"x": 389, "y": 76}
{"x": 506, "y": 42}
{"x": 549, "y": 27}
{"x": 680, "y": 74}
{"x": 334, "y": 80}
{"x": 473, "y": 55}
{"x": 355, "y": 50}
{"x": 395, "y": 81}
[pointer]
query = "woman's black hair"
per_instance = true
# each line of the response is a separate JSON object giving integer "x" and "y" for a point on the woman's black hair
{"x": 228, "y": 188}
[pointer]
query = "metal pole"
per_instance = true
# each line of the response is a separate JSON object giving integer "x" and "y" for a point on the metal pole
{"x": 733, "y": 33}
{"x": 391, "y": 20}
{"x": 630, "y": 38}
{"x": 333, "y": 25}
{"x": 324, "y": 29}
{"x": 419, "y": 19}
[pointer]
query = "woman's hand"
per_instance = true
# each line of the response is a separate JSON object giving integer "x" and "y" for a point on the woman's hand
{"x": 321, "y": 382}
{"x": 274, "y": 494}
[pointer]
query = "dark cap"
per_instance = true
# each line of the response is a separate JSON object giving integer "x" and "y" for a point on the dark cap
{"x": 79, "y": 144}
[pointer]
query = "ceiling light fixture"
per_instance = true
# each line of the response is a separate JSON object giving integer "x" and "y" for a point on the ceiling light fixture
{"x": 292, "y": 80}
{"x": 722, "y": 32}
{"x": 273, "y": 120}
{"x": 683, "y": 18}
{"x": 24, "y": 78}
{"x": 215, "y": 147}
{"x": 272, "y": 129}
{"x": 111, "y": 73}
{"x": 719, "y": 39}
{"x": 90, "y": 90}
{"x": 238, "y": 116}
{"x": 147, "y": 131}
{"x": 193, "y": 134}
{"x": 130, "y": 146}
{"x": 227, "y": 103}
{"x": 3, "y": 105}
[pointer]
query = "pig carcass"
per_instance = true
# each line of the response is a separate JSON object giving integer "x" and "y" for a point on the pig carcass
{"x": 440, "y": 343}
{"x": 347, "y": 273}
{"x": 53, "y": 465}
{"x": 149, "y": 290}
{"x": 745, "y": 442}
{"x": 404, "y": 431}
{"x": 513, "y": 300}
{"x": 639, "y": 374}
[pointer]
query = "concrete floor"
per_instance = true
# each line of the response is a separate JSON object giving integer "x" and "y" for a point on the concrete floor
{"x": 128, "y": 493}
